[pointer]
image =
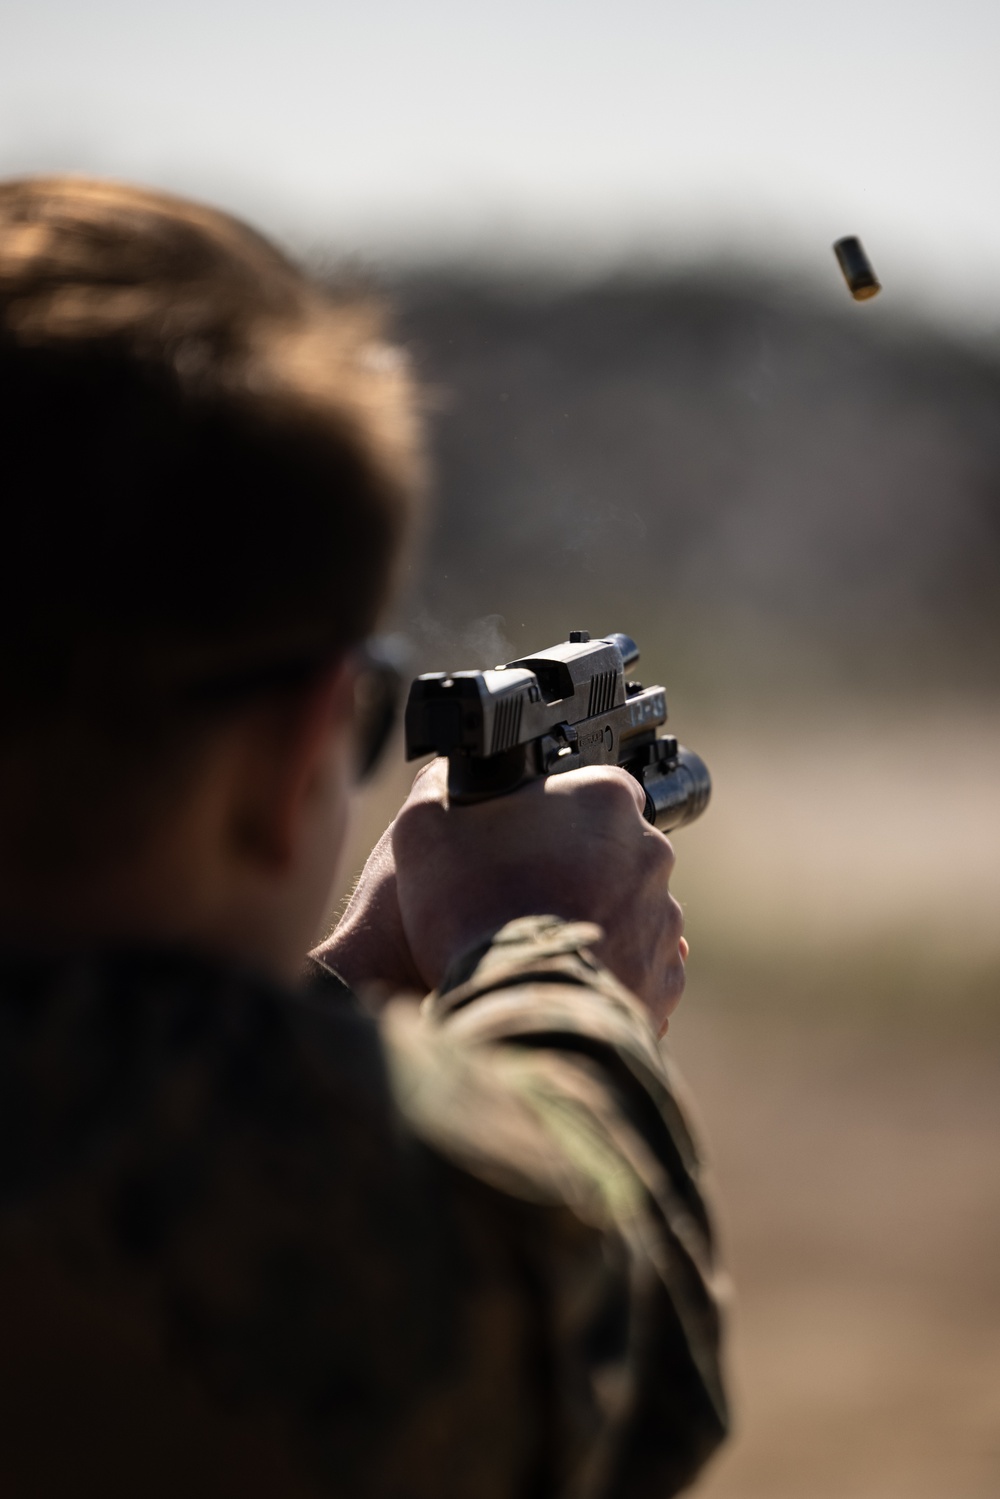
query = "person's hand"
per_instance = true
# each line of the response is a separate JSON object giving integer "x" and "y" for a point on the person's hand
{"x": 575, "y": 845}
{"x": 368, "y": 947}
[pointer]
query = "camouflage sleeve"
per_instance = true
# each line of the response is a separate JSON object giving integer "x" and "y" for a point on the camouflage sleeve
{"x": 537, "y": 1078}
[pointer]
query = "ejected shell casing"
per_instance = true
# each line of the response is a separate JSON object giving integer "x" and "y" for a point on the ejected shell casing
{"x": 857, "y": 268}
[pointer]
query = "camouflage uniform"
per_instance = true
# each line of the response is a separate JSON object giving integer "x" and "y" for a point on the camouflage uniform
{"x": 259, "y": 1244}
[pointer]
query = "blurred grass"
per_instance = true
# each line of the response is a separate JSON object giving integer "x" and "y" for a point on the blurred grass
{"x": 900, "y": 981}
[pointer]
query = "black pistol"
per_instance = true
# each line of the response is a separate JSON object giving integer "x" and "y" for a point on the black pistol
{"x": 568, "y": 706}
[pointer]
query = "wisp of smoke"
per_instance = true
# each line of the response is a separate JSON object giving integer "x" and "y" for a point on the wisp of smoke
{"x": 473, "y": 646}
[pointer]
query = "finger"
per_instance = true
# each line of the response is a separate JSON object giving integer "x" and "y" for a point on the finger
{"x": 607, "y": 780}
{"x": 670, "y": 994}
{"x": 623, "y": 778}
{"x": 430, "y": 784}
{"x": 636, "y": 789}
{"x": 657, "y": 853}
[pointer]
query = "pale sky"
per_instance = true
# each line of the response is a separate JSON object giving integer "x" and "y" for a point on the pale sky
{"x": 582, "y": 130}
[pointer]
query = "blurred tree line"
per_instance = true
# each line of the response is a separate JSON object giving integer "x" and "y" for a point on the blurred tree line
{"x": 769, "y": 490}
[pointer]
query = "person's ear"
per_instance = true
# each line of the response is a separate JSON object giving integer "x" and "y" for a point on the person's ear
{"x": 292, "y": 745}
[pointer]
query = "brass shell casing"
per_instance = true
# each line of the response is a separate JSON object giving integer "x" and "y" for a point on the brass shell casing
{"x": 858, "y": 271}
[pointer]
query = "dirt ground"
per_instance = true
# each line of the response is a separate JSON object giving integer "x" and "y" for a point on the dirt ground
{"x": 859, "y": 1190}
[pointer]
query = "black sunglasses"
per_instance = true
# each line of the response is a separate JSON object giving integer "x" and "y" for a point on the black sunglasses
{"x": 380, "y": 663}
{"x": 376, "y": 697}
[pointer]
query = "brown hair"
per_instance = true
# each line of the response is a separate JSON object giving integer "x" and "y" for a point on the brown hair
{"x": 207, "y": 462}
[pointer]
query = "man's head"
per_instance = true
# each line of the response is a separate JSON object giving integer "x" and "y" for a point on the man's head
{"x": 207, "y": 470}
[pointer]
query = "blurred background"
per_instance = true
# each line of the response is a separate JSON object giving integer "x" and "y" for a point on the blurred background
{"x": 605, "y": 230}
